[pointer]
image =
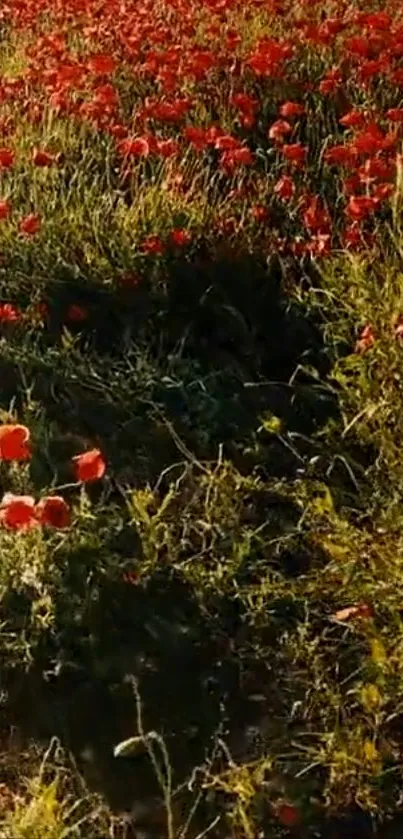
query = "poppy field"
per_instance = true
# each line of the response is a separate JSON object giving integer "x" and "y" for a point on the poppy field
{"x": 201, "y": 419}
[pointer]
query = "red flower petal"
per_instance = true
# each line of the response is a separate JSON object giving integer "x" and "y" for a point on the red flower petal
{"x": 30, "y": 224}
{"x": 7, "y": 158}
{"x": 102, "y": 64}
{"x": 54, "y": 512}
{"x": 5, "y": 209}
{"x": 288, "y": 815}
{"x": 89, "y": 466}
{"x": 14, "y": 442}
{"x": 9, "y": 313}
{"x": 40, "y": 157}
{"x": 18, "y": 511}
{"x": 77, "y": 314}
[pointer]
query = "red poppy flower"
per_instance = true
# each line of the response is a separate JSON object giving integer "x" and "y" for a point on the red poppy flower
{"x": 358, "y": 45}
{"x": 242, "y": 156}
{"x": 106, "y": 95}
{"x": 118, "y": 131}
{"x": 291, "y": 109}
{"x": 167, "y": 148}
{"x": 373, "y": 68}
{"x": 260, "y": 213}
{"x": 76, "y": 314}
{"x": 196, "y": 136}
{"x": 247, "y": 120}
{"x": 376, "y": 168}
{"x": 152, "y": 244}
{"x": 102, "y": 64}
{"x": 247, "y": 104}
{"x": 54, "y": 512}
{"x": 378, "y": 20}
{"x": 18, "y": 511}
{"x": 397, "y": 77}
{"x": 360, "y": 207}
{"x": 30, "y": 225}
{"x": 269, "y": 56}
{"x": 89, "y": 466}
{"x": 168, "y": 111}
{"x": 285, "y": 188}
{"x": 215, "y": 133}
{"x": 135, "y": 147}
{"x": 279, "y": 129}
{"x": 5, "y": 209}
{"x": 353, "y": 119}
{"x": 238, "y": 157}
{"x": 319, "y": 245}
{"x": 9, "y": 313}
{"x": 331, "y": 81}
{"x": 315, "y": 216}
{"x": 288, "y": 815}
{"x": 355, "y": 238}
{"x": 70, "y": 74}
{"x": 14, "y": 442}
{"x": 351, "y": 184}
{"x": 366, "y": 339}
{"x": 395, "y": 114}
{"x": 180, "y": 237}
{"x": 383, "y": 191}
{"x": 295, "y": 152}
{"x": 59, "y": 101}
{"x": 340, "y": 155}
{"x": 371, "y": 140}
{"x": 43, "y": 158}
{"x": 7, "y": 158}
{"x": 226, "y": 143}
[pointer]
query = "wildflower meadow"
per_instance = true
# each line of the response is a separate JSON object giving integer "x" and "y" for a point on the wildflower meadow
{"x": 201, "y": 419}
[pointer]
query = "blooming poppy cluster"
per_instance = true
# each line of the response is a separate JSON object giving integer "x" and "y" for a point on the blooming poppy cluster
{"x": 171, "y": 113}
{"x": 22, "y": 511}
{"x": 11, "y": 313}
